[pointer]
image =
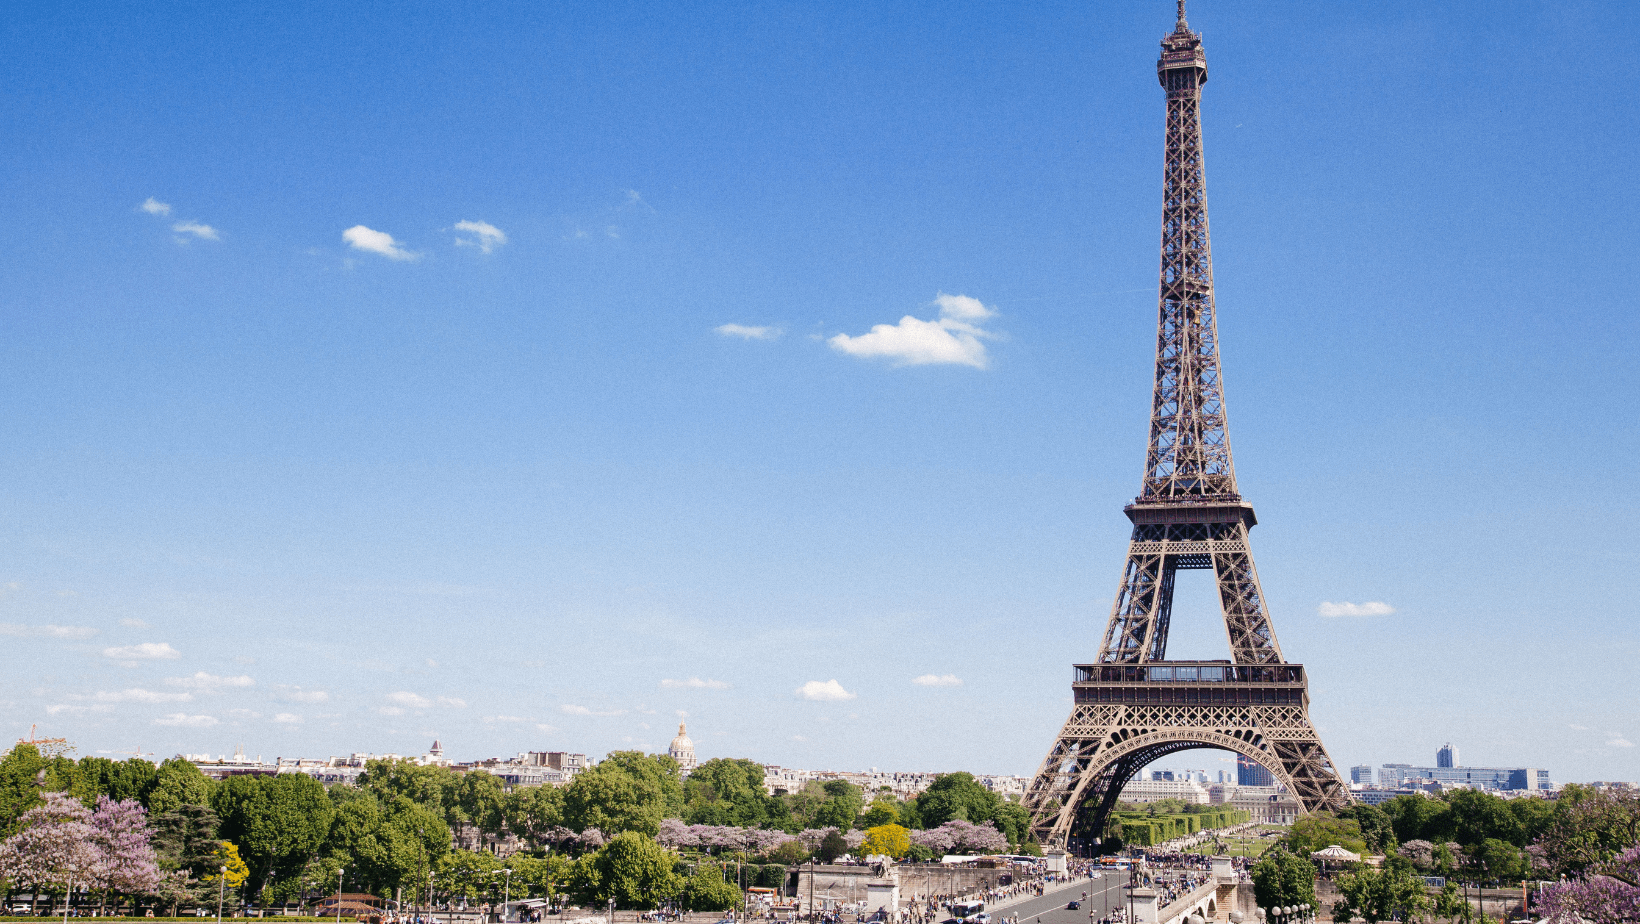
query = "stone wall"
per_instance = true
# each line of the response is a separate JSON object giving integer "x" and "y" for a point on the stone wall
{"x": 917, "y": 881}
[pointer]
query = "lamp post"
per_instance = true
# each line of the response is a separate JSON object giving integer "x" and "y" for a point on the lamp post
{"x": 221, "y": 892}
{"x": 68, "y": 896}
{"x": 339, "y": 873}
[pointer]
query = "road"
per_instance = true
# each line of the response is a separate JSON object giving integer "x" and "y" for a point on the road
{"x": 1105, "y": 895}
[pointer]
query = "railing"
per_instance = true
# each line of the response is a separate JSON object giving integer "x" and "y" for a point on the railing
{"x": 1186, "y": 672}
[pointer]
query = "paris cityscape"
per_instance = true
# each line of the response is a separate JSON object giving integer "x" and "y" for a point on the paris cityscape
{"x": 465, "y": 467}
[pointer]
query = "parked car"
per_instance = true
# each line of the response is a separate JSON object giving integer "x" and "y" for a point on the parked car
{"x": 1074, "y": 906}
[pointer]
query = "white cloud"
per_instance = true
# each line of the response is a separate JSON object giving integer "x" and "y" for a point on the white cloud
{"x": 299, "y": 695}
{"x": 829, "y": 691}
{"x": 747, "y": 332}
{"x": 209, "y": 683}
{"x": 486, "y": 237}
{"x": 138, "y": 695}
{"x": 409, "y": 700}
{"x": 390, "y": 710}
{"x": 505, "y": 718}
{"x": 1618, "y": 741}
{"x": 201, "y": 231}
{"x": 184, "y": 720}
{"x": 572, "y": 709}
{"x": 937, "y": 680}
{"x": 147, "y": 651}
{"x": 1372, "y": 608}
{"x": 362, "y": 238}
{"x": 155, "y": 207}
{"x": 546, "y": 728}
{"x": 288, "y": 718}
{"x": 133, "y": 624}
{"x": 693, "y": 683}
{"x": 75, "y": 710}
{"x": 243, "y": 714}
{"x": 954, "y": 338}
{"x": 46, "y": 631}
{"x": 452, "y": 701}
{"x": 1581, "y": 728}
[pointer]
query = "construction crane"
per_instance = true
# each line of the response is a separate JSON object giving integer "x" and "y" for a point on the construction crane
{"x": 48, "y": 747}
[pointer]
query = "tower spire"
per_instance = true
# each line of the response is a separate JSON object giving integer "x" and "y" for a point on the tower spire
{"x": 1182, "y": 25}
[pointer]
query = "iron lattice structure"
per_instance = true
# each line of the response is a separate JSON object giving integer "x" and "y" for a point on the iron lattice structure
{"x": 1134, "y": 705}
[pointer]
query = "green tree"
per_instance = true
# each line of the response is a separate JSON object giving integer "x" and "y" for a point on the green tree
{"x": 1013, "y": 821}
{"x": 1282, "y": 878}
{"x": 881, "y": 812}
{"x": 185, "y": 839}
{"x": 431, "y": 787}
{"x": 633, "y": 870}
{"x": 831, "y": 847}
{"x": 730, "y": 792}
{"x": 706, "y": 890}
{"x": 119, "y": 780}
{"x": 1589, "y": 827}
{"x": 1494, "y": 859}
{"x": 1478, "y": 816}
{"x": 386, "y": 843}
{"x": 1380, "y": 895}
{"x": 627, "y": 791}
{"x": 1377, "y": 828}
{"x": 790, "y": 853}
{"x": 278, "y": 822}
{"x": 178, "y": 783}
{"x": 842, "y": 806}
{"x": 1321, "y": 830}
{"x": 533, "y": 811}
{"x": 480, "y": 799}
{"x": 18, "y": 790}
{"x": 957, "y": 796}
{"x": 1419, "y": 818}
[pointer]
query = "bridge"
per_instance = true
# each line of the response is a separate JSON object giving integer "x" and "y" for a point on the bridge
{"x": 1213, "y": 900}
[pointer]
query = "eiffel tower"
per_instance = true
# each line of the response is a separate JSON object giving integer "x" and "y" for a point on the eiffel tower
{"x": 1134, "y": 705}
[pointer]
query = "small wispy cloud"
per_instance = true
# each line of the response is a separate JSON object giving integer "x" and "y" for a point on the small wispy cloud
{"x": 184, "y": 720}
{"x": 288, "y": 718}
{"x": 202, "y": 682}
{"x": 155, "y": 207}
{"x": 748, "y": 332}
{"x": 829, "y": 691}
{"x": 1372, "y": 608}
{"x": 202, "y": 231}
{"x": 409, "y": 700}
{"x": 485, "y": 236}
{"x": 542, "y": 726}
{"x": 72, "y": 709}
{"x": 452, "y": 702}
{"x": 378, "y": 242}
{"x": 937, "y": 680}
{"x": 299, "y": 695}
{"x": 389, "y": 710}
{"x": 1581, "y": 728}
{"x": 693, "y": 683}
{"x": 46, "y": 631}
{"x": 572, "y": 709}
{"x": 1618, "y": 741}
{"x": 953, "y": 338}
{"x": 147, "y": 651}
{"x": 139, "y": 695}
{"x": 130, "y": 623}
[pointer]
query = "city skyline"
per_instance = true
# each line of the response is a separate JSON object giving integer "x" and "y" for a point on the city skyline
{"x": 548, "y": 376}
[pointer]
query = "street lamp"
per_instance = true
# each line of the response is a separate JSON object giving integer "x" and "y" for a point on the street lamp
{"x": 339, "y": 873}
{"x": 221, "y": 892}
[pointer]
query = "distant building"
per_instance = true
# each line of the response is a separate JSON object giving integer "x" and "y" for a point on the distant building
{"x": 1252, "y": 773}
{"x": 1361, "y": 774}
{"x": 683, "y": 750}
{"x": 220, "y": 768}
{"x": 1447, "y": 757}
{"x": 1154, "y": 790}
{"x": 1159, "y": 775}
{"x": 1396, "y": 776}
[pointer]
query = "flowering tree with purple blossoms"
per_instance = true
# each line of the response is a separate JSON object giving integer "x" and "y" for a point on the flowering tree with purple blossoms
{"x": 54, "y": 847}
{"x": 125, "y": 860}
{"x": 1609, "y": 895}
{"x": 959, "y": 835}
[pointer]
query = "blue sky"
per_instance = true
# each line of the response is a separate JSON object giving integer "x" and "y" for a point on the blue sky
{"x": 365, "y": 378}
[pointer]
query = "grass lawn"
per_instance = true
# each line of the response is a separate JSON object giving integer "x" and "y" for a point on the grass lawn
{"x": 1237, "y": 846}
